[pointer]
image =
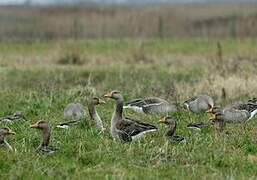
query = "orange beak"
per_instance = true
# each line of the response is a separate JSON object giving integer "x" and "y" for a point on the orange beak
{"x": 108, "y": 95}
{"x": 35, "y": 125}
{"x": 210, "y": 110}
{"x": 162, "y": 120}
{"x": 100, "y": 101}
{"x": 11, "y": 132}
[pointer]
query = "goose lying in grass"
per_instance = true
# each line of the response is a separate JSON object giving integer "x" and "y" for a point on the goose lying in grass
{"x": 170, "y": 134}
{"x": 126, "y": 129}
{"x": 199, "y": 125}
{"x": 151, "y": 105}
{"x": 46, "y": 130}
{"x": 95, "y": 118}
{"x": 237, "y": 113}
{"x": 74, "y": 110}
{"x": 3, "y": 143}
{"x": 199, "y": 104}
{"x": 14, "y": 117}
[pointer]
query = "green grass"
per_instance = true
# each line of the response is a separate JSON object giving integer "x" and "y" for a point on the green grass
{"x": 32, "y": 82}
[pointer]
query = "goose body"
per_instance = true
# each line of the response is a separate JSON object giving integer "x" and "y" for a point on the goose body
{"x": 151, "y": 105}
{"x": 44, "y": 147}
{"x": 67, "y": 124}
{"x": 171, "y": 132}
{"x": 95, "y": 118}
{"x": 14, "y": 117}
{"x": 199, "y": 104}
{"x": 3, "y": 143}
{"x": 74, "y": 110}
{"x": 126, "y": 129}
{"x": 199, "y": 125}
{"x": 236, "y": 113}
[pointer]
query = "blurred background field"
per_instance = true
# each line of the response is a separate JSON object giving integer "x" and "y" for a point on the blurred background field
{"x": 203, "y": 20}
{"x": 53, "y": 55}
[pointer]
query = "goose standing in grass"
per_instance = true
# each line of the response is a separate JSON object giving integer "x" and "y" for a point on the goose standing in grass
{"x": 14, "y": 117}
{"x": 126, "y": 129}
{"x": 95, "y": 118}
{"x": 3, "y": 143}
{"x": 170, "y": 134}
{"x": 151, "y": 105}
{"x": 199, "y": 104}
{"x": 46, "y": 130}
{"x": 237, "y": 113}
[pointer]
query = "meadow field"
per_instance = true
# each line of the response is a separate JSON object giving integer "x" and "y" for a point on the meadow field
{"x": 41, "y": 78}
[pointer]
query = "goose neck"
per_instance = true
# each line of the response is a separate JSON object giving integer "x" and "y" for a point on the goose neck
{"x": 46, "y": 136}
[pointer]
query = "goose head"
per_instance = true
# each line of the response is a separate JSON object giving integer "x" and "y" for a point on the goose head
{"x": 114, "y": 95}
{"x": 6, "y": 131}
{"x": 218, "y": 116}
{"x": 96, "y": 101}
{"x": 169, "y": 121}
{"x": 214, "y": 110}
{"x": 41, "y": 124}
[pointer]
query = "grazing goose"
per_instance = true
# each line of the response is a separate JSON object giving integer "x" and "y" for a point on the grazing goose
{"x": 237, "y": 113}
{"x": 151, "y": 105}
{"x": 44, "y": 146}
{"x": 74, "y": 110}
{"x": 170, "y": 134}
{"x": 96, "y": 120}
{"x": 199, "y": 104}
{"x": 3, "y": 143}
{"x": 14, "y": 117}
{"x": 126, "y": 129}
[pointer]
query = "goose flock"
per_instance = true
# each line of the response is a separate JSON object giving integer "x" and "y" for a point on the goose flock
{"x": 126, "y": 129}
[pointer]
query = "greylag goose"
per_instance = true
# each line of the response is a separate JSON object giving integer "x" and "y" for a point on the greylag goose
{"x": 3, "y": 133}
{"x": 170, "y": 134}
{"x": 14, "y": 117}
{"x": 74, "y": 110}
{"x": 44, "y": 146}
{"x": 95, "y": 118}
{"x": 198, "y": 104}
{"x": 151, "y": 105}
{"x": 237, "y": 113}
{"x": 123, "y": 128}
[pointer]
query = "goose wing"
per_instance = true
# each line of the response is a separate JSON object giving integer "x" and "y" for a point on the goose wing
{"x": 144, "y": 102}
{"x": 133, "y": 127}
{"x": 69, "y": 123}
{"x": 158, "y": 107}
{"x": 249, "y": 107}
